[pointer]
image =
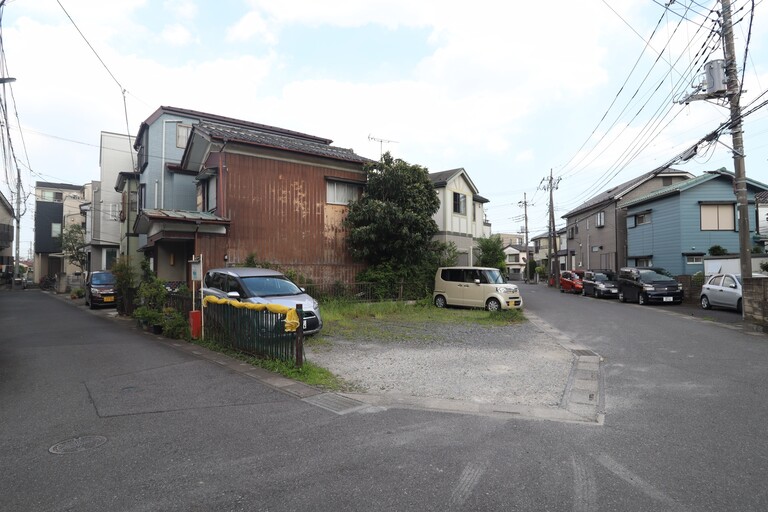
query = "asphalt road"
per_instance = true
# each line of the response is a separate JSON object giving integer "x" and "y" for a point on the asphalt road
{"x": 146, "y": 426}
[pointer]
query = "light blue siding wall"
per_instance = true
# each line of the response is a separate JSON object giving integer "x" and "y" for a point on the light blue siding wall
{"x": 660, "y": 238}
{"x": 694, "y": 239}
{"x": 176, "y": 191}
{"x": 675, "y": 226}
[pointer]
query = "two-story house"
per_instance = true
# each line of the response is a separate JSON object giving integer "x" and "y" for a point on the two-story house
{"x": 260, "y": 190}
{"x": 56, "y": 205}
{"x": 675, "y": 226}
{"x": 596, "y": 230}
{"x": 7, "y": 221}
{"x": 461, "y": 217}
{"x": 103, "y": 223}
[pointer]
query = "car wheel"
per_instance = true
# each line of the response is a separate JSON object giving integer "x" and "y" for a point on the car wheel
{"x": 705, "y": 302}
{"x": 440, "y": 301}
{"x": 622, "y": 298}
{"x": 493, "y": 305}
{"x": 738, "y": 306}
{"x": 562, "y": 290}
{"x": 642, "y": 300}
{"x": 594, "y": 293}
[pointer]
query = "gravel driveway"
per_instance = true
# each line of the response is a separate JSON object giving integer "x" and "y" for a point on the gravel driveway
{"x": 518, "y": 364}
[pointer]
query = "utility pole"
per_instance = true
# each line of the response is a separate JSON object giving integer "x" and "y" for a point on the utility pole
{"x": 554, "y": 266}
{"x": 740, "y": 175}
{"x": 524, "y": 204}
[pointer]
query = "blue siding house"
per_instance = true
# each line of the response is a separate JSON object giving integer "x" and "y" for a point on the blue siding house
{"x": 675, "y": 226}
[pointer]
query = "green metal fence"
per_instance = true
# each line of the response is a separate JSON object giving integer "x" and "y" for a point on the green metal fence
{"x": 260, "y": 333}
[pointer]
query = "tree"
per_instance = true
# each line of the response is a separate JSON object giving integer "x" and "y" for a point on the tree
{"x": 392, "y": 222}
{"x": 717, "y": 250}
{"x": 492, "y": 253}
{"x": 73, "y": 245}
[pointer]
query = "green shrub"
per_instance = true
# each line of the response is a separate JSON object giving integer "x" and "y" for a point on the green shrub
{"x": 176, "y": 326}
{"x": 718, "y": 250}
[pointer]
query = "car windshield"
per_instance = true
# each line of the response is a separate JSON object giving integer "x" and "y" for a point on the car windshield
{"x": 270, "y": 286}
{"x": 649, "y": 276}
{"x": 603, "y": 277}
{"x": 494, "y": 277}
{"x": 103, "y": 279}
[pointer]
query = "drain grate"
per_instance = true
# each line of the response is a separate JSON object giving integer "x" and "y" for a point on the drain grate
{"x": 77, "y": 444}
{"x": 584, "y": 352}
{"x": 335, "y": 403}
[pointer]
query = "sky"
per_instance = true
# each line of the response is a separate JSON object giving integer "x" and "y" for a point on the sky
{"x": 589, "y": 91}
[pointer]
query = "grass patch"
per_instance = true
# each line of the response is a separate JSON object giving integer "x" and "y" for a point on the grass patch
{"x": 309, "y": 373}
{"x": 386, "y": 320}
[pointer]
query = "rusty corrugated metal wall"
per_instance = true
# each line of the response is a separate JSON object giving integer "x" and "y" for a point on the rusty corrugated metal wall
{"x": 278, "y": 211}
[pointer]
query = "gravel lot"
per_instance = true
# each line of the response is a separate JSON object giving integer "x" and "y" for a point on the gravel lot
{"x": 518, "y": 364}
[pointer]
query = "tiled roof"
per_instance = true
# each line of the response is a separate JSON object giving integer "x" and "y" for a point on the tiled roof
{"x": 182, "y": 216}
{"x": 258, "y": 137}
{"x": 204, "y": 116}
{"x": 688, "y": 184}
{"x": 615, "y": 193}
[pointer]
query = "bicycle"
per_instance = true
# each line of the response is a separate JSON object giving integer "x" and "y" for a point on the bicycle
{"x": 47, "y": 283}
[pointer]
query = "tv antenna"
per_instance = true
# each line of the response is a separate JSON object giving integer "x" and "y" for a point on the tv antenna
{"x": 381, "y": 143}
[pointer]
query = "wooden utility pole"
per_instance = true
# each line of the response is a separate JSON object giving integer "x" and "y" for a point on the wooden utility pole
{"x": 740, "y": 175}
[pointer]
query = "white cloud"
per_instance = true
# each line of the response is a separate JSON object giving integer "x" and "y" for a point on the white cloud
{"x": 176, "y": 35}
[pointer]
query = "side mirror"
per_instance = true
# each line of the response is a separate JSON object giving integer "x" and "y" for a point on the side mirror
{"x": 233, "y": 295}
{"x": 477, "y": 281}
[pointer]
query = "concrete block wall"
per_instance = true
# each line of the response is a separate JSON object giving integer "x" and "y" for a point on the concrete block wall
{"x": 755, "y": 300}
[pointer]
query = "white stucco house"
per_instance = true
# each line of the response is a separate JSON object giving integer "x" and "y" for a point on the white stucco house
{"x": 461, "y": 217}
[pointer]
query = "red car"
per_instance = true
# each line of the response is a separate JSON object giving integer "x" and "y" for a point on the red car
{"x": 570, "y": 281}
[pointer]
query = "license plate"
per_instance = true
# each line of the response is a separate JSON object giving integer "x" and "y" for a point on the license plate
{"x": 668, "y": 299}
{"x": 109, "y": 299}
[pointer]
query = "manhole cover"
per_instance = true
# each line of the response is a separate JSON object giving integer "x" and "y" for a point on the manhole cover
{"x": 78, "y": 444}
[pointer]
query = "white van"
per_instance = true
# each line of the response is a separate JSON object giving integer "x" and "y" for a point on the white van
{"x": 477, "y": 287}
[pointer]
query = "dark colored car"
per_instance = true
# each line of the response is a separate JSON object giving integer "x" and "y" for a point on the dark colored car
{"x": 646, "y": 285}
{"x": 262, "y": 286}
{"x": 100, "y": 289}
{"x": 600, "y": 282}
{"x": 570, "y": 281}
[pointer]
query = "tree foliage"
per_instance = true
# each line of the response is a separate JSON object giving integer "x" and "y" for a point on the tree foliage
{"x": 73, "y": 245}
{"x": 491, "y": 253}
{"x": 392, "y": 222}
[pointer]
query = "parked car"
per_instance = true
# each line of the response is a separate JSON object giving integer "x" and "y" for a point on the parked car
{"x": 570, "y": 281}
{"x": 262, "y": 286}
{"x": 477, "y": 287}
{"x": 723, "y": 291}
{"x": 646, "y": 285}
{"x": 599, "y": 283}
{"x": 100, "y": 289}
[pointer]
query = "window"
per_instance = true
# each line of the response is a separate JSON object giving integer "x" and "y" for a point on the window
{"x": 572, "y": 232}
{"x": 142, "y": 196}
{"x": 55, "y": 229}
{"x": 50, "y": 195}
{"x": 666, "y": 181}
{"x": 717, "y": 217}
{"x": 182, "y": 135}
{"x": 644, "y": 262}
{"x": 459, "y": 203}
{"x": 338, "y": 192}
{"x": 206, "y": 197}
{"x": 693, "y": 260}
{"x": 110, "y": 257}
{"x": 642, "y": 218}
{"x": 600, "y": 219}
{"x": 111, "y": 211}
